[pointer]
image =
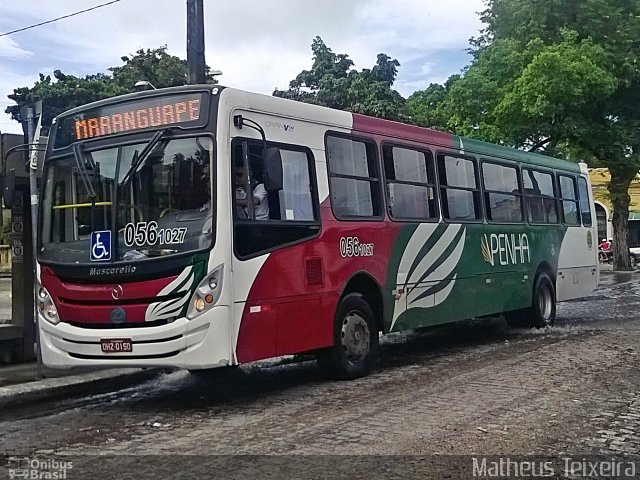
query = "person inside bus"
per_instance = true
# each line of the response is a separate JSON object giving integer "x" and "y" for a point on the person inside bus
{"x": 260, "y": 201}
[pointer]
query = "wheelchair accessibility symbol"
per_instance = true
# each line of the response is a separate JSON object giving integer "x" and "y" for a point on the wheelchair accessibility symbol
{"x": 101, "y": 246}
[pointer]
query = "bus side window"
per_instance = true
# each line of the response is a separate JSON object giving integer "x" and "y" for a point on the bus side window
{"x": 568, "y": 200}
{"x": 459, "y": 190}
{"x": 585, "y": 202}
{"x": 410, "y": 178}
{"x": 354, "y": 181}
{"x": 248, "y": 183}
{"x": 286, "y": 182}
{"x": 295, "y": 199}
{"x": 540, "y": 197}
{"x": 503, "y": 198}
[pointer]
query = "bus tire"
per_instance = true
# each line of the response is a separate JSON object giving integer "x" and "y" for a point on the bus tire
{"x": 542, "y": 312}
{"x": 355, "y": 340}
{"x": 543, "y": 309}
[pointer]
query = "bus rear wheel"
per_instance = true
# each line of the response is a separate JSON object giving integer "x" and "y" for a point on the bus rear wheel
{"x": 355, "y": 340}
{"x": 542, "y": 312}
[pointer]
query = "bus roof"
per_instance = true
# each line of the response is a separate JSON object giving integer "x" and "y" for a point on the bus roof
{"x": 372, "y": 125}
{"x": 400, "y": 131}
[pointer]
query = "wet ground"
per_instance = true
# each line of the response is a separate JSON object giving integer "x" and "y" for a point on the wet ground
{"x": 470, "y": 388}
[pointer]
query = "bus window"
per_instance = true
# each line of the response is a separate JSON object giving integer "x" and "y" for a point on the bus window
{"x": 58, "y": 226}
{"x": 284, "y": 214}
{"x": 296, "y": 201}
{"x": 502, "y": 193}
{"x": 410, "y": 177}
{"x": 539, "y": 196}
{"x": 248, "y": 183}
{"x": 354, "y": 181}
{"x": 568, "y": 200}
{"x": 293, "y": 202}
{"x": 585, "y": 203}
{"x": 460, "y": 195}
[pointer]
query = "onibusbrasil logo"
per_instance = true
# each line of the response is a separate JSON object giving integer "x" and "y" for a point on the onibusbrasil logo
{"x": 38, "y": 468}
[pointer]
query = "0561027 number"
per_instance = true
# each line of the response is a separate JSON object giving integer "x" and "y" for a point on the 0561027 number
{"x": 148, "y": 233}
{"x": 351, "y": 247}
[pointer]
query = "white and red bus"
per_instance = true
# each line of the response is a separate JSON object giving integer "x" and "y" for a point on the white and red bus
{"x": 204, "y": 226}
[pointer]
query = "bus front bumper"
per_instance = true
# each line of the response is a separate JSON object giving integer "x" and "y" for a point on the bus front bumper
{"x": 191, "y": 344}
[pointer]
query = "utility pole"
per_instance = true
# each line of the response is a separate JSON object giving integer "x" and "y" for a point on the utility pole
{"x": 195, "y": 42}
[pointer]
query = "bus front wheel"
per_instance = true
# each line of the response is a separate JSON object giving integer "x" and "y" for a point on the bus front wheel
{"x": 355, "y": 340}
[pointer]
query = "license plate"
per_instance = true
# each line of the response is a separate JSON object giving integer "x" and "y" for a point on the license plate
{"x": 116, "y": 345}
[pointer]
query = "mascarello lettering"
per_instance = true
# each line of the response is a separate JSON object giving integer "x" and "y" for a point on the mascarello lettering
{"x": 112, "y": 270}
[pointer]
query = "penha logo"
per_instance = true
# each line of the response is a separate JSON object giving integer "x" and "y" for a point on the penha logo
{"x": 511, "y": 249}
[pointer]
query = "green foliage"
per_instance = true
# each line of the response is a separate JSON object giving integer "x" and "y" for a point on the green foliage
{"x": 332, "y": 82}
{"x": 429, "y": 108}
{"x": 155, "y": 66}
{"x": 63, "y": 92}
{"x": 560, "y": 77}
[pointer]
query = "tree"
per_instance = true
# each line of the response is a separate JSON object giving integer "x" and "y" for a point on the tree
{"x": 560, "y": 78}
{"x": 428, "y": 107}
{"x": 155, "y": 66}
{"x": 332, "y": 82}
{"x": 63, "y": 92}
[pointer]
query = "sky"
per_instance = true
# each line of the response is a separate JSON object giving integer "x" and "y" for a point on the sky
{"x": 259, "y": 45}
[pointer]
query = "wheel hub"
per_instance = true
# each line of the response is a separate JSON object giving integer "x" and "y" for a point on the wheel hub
{"x": 355, "y": 337}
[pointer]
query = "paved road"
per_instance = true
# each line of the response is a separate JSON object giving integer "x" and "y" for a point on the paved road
{"x": 477, "y": 388}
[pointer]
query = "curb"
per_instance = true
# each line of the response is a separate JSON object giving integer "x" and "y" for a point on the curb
{"x": 97, "y": 381}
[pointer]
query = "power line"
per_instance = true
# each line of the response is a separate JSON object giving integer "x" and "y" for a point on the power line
{"x": 59, "y": 18}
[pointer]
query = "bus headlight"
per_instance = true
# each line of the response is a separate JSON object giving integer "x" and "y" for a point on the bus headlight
{"x": 46, "y": 307}
{"x": 207, "y": 294}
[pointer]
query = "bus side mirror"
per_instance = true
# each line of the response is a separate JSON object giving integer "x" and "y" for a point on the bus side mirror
{"x": 9, "y": 188}
{"x": 273, "y": 170}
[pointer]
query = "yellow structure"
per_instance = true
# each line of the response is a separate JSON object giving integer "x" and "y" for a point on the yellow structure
{"x": 599, "y": 180}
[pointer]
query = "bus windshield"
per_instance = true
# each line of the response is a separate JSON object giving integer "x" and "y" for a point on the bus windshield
{"x": 153, "y": 199}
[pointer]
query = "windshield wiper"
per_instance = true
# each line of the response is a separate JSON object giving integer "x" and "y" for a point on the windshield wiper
{"x": 84, "y": 175}
{"x": 139, "y": 159}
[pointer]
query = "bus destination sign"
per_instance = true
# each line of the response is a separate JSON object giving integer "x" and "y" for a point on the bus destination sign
{"x": 184, "y": 110}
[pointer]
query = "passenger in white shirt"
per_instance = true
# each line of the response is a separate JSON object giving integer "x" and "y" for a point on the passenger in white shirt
{"x": 260, "y": 200}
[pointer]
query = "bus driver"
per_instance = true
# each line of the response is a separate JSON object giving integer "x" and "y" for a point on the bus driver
{"x": 260, "y": 201}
